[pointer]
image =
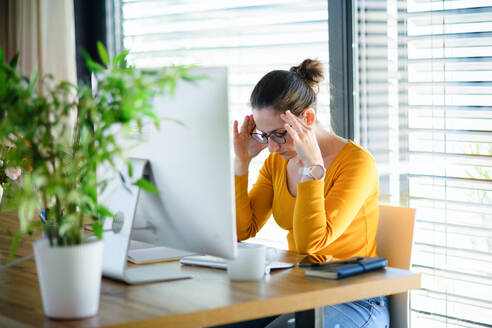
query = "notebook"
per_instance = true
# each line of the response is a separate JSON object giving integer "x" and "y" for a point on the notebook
{"x": 144, "y": 253}
{"x": 349, "y": 267}
{"x": 220, "y": 263}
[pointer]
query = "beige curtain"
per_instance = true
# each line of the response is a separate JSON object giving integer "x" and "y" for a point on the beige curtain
{"x": 43, "y": 32}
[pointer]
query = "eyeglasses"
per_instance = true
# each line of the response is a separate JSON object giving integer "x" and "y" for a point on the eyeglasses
{"x": 262, "y": 137}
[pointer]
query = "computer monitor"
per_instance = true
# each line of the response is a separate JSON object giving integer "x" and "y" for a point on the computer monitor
{"x": 191, "y": 163}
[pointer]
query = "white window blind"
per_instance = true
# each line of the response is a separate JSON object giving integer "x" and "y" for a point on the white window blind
{"x": 250, "y": 37}
{"x": 425, "y": 110}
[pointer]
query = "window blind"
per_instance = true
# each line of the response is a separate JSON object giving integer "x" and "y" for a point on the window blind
{"x": 250, "y": 37}
{"x": 425, "y": 110}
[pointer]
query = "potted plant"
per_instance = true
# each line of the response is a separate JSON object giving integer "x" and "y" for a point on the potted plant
{"x": 59, "y": 157}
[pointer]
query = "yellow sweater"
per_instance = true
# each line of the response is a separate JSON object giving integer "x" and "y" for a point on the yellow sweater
{"x": 337, "y": 216}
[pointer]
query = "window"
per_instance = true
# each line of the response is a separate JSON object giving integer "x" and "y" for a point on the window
{"x": 250, "y": 37}
{"x": 425, "y": 112}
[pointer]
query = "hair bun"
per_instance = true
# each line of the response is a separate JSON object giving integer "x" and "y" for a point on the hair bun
{"x": 311, "y": 71}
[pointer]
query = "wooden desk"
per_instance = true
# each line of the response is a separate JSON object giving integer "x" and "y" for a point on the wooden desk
{"x": 210, "y": 298}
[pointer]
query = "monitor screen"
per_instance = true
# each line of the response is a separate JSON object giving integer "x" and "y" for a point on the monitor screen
{"x": 191, "y": 163}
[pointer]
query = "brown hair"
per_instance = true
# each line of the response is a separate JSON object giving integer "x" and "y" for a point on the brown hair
{"x": 293, "y": 90}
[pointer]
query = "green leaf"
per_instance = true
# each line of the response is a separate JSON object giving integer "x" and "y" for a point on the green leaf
{"x": 103, "y": 53}
{"x": 33, "y": 79}
{"x": 103, "y": 212}
{"x": 97, "y": 228}
{"x": 91, "y": 191}
{"x": 172, "y": 86}
{"x": 120, "y": 57}
{"x": 64, "y": 228}
{"x": 174, "y": 120}
{"x": 2, "y": 58}
{"x": 130, "y": 168}
{"x": 195, "y": 78}
{"x": 93, "y": 66}
{"x": 13, "y": 61}
{"x": 27, "y": 209}
{"x": 152, "y": 115}
{"x": 14, "y": 245}
{"x": 147, "y": 186}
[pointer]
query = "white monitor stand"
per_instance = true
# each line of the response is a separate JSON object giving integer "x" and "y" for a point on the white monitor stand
{"x": 123, "y": 202}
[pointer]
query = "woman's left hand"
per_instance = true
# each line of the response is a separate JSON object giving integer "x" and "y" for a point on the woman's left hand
{"x": 304, "y": 139}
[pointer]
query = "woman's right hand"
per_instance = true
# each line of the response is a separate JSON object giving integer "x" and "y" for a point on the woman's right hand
{"x": 245, "y": 146}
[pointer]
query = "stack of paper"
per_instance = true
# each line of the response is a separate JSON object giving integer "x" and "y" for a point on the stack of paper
{"x": 143, "y": 253}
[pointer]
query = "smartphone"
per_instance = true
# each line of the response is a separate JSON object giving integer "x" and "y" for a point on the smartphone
{"x": 314, "y": 260}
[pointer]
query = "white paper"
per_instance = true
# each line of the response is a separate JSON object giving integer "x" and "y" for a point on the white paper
{"x": 146, "y": 253}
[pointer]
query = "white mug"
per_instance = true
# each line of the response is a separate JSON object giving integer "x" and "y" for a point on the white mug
{"x": 249, "y": 264}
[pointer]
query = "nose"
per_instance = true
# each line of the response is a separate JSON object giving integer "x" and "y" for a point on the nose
{"x": 273, "y": 146}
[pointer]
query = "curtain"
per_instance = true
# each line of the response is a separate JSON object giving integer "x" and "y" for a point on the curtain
{"x": 42, "y": 31}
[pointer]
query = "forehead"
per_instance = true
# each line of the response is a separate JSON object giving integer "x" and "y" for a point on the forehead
{"x": 267, "y": 120}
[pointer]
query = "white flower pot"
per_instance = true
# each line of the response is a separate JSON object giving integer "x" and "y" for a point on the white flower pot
{"x": 69, "y": 278}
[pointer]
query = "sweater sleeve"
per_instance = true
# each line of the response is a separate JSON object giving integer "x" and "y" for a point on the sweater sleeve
{"x": 321, "y": 218}
{"x": 254, "y": 208}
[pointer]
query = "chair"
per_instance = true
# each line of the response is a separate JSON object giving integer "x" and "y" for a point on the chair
{"x": 394, "y": 240}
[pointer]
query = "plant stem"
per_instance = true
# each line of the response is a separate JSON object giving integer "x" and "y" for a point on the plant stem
{"x": 81, "y": 225}
{"x": 76, "y": 136}
{"x": 48, "y": 223}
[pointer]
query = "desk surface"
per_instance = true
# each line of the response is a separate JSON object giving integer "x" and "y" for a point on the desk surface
{"x": 210, "y": 298}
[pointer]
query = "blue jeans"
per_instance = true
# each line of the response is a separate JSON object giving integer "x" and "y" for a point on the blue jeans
{"x": 368, "y": 313}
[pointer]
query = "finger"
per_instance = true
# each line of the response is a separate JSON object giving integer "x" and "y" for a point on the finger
{"x": 303, "y": 122}
{"x": 297, "y": 119}
{"x": 245, "y": 125}
{"x": 235, "y": 128}
{"x": 286, "y": 119}
{"x": 294, "y": 123}
{"x": 251, "y": 122}
{"x": 292, "y": 132}
{"x": 290, "y": 119}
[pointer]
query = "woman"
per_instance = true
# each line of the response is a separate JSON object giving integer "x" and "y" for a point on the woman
{"x": 320, "y": 187}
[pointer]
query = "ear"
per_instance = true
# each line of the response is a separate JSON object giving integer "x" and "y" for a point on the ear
{"x": 309, "y": 116}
